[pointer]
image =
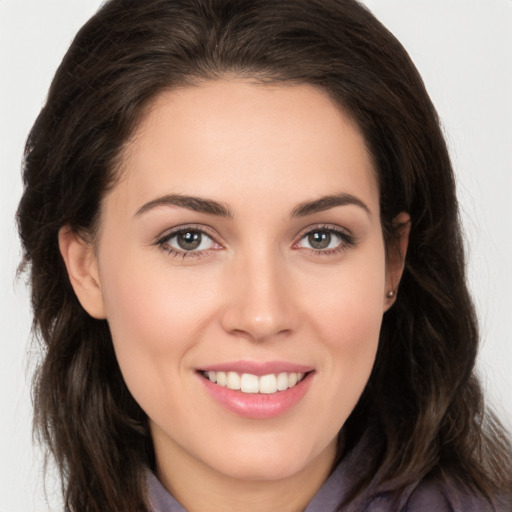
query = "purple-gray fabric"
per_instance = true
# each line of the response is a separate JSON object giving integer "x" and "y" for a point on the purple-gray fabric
{"x": 423, "y": 496}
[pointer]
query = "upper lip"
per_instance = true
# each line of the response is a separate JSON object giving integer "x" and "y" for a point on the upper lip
{"x": 257, "y": 368}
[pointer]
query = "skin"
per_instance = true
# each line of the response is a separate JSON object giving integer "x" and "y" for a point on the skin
{"x": 258, "y": 292}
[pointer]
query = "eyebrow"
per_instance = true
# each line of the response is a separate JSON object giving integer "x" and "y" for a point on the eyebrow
{"x": 212, "y": 207}
{"x": 326, "y": 203}
{"x": 197, "y": 204}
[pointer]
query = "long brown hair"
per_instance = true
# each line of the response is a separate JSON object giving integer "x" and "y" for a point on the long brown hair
{"x": 422, "y": 401}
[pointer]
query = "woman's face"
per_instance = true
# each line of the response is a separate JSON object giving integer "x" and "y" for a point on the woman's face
{"x": 243, "y": 245}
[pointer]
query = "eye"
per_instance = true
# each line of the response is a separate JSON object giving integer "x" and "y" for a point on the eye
{"x": 321, "y": 240}
{"x": 326, "y": 240}
{"x": 187, "y": 240}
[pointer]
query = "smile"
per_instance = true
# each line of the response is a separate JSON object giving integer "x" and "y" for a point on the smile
{"x": 250, "y": 383}
{"x": 257, "y": 390}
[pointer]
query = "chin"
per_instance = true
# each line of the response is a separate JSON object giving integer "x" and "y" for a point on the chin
{"x": 270, "y": 459}
{"x": 267, "y": 467}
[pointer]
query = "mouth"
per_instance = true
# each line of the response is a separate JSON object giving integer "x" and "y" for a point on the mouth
{"x": 257, "y": 390}
{"x": 250, "y": 383}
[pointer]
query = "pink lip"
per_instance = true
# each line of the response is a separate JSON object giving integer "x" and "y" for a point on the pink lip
{"x": 257, "y": 405}
{"x": 257, "y": 368}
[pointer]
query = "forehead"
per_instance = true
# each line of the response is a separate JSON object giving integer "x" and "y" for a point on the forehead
{"x": 235, "y": 138}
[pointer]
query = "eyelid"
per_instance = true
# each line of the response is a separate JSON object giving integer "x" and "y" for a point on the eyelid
{"x": 162, "y": 239}
{"x": 183, "y": 227}
{"x": 323, "y": 227}
{"x": 348, "y": 239}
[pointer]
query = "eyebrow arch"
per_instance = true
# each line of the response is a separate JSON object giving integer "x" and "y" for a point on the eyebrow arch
{"x": 196, "y": 204}
{"x": 326, "y": 203}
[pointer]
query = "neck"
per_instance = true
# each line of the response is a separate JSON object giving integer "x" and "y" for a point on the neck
{"x": 201, "y": 488}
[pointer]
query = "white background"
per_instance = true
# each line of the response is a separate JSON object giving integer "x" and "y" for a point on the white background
{"x": 463, "y": 48}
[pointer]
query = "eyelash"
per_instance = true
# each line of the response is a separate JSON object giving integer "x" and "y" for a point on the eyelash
{"x": 163, "y": 242}
{"x": 347, "y": 241}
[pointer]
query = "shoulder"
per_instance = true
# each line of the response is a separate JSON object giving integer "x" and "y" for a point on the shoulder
{"x": 159, "y": 497}
{"x": 432, "y": 495}
{"x": 448, "y": 496}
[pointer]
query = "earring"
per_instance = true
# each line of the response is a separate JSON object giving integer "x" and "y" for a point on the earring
{"x": 390, "y": 294}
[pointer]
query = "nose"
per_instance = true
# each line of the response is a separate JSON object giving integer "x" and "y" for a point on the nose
{"x": 260, "y": 301}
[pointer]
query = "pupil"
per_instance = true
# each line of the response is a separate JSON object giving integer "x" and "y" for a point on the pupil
{"x": 189, "y": 240}
{"x": 319, "y": 239}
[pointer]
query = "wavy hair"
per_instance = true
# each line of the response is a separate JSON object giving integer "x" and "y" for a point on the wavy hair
{"x": 422, "y": 400}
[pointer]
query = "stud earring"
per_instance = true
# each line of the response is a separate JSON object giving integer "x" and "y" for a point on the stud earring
{"x": 390, "y": 294}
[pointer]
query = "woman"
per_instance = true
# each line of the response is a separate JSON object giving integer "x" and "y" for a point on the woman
{"x": 247, "y": 268}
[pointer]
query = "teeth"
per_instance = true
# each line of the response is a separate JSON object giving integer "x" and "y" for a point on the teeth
{"x": 249, "y": 383}
{"x": 221, "y": 379}
{"x": 233, "y": 381}
{"x": 268, "y": 384}
{"x": 282, "y": 381}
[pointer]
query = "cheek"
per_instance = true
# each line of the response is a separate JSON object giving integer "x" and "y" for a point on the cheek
{"x": 156, "y": 314}
{"x": 137, "y": 311}
{"x": 350, "y": 306}
{"x": 148, "y": 319}
{"x": 148, "y": 306}
{"x": 347, "y": 319}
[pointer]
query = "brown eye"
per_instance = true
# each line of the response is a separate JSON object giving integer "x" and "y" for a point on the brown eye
{"x": 326, "y": 240}
{"x": 319, "y": 239}
{"x": 189, "y": 240}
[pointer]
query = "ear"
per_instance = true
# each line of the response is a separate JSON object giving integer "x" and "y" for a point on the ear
{"x": 396, "y": 257}
{"x": 82, "y": 266}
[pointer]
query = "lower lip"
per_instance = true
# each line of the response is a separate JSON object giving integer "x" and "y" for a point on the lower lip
{"x": 258, "y": 405}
